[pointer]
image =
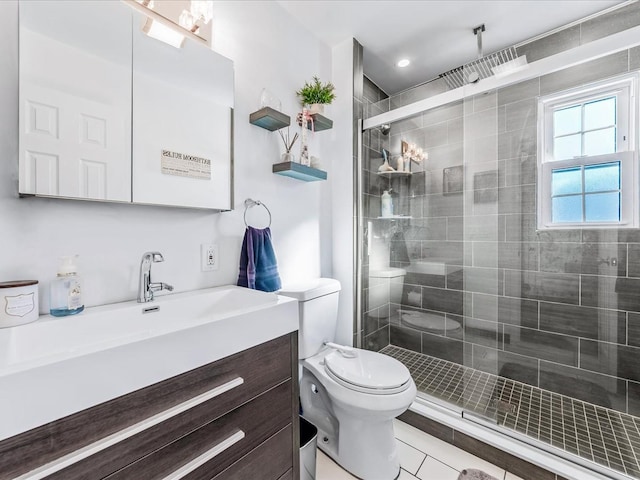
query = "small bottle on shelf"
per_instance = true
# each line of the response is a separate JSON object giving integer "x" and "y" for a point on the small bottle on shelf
{"x": 386, "y": 204}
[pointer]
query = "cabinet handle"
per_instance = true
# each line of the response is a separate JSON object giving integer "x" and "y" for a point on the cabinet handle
{"x": 119, "y": 436}
{"x": 206, "y": 456}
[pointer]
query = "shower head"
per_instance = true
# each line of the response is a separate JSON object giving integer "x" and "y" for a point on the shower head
{"x": 499, "y": 63}
{"x": 385, "y": 129}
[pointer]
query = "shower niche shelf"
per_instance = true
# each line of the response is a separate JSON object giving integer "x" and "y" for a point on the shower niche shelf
{"x": 394, "y": 174}
{"x": 270, "y": 119}
{"x": 299, "y": 171}
{"x": 395, "y": 217}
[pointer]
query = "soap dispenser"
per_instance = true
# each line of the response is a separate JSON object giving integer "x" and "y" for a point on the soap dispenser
{"x": 65, "y": 293}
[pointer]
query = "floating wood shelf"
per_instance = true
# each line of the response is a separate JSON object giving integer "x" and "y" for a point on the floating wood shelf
{"x": 270, "y": 119}
{"x": 320, "y": 122}
{"x": 299, "y": 171}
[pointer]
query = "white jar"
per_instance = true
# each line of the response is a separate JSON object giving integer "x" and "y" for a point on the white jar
{"x": 18, "y": 302}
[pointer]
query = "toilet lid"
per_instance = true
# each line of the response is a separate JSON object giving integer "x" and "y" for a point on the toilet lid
{"x": 369, "y": 372}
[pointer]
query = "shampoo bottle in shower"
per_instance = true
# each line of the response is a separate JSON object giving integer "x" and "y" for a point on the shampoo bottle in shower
{"x": 65, "y": 295}
{"x": 386, "y": 205}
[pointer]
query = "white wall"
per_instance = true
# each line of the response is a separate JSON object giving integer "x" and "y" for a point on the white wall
{"x": 270, "y": 49}
{"x": 342, "y": 191}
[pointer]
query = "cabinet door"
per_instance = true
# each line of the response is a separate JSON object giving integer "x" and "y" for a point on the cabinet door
{"x": 182, "y": 101}
{"x": 108, "y": 113}
{"x": 75, "y": 100}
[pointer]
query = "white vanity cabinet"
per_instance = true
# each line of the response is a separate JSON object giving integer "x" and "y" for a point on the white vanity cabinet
{"x": 235, "y": 418}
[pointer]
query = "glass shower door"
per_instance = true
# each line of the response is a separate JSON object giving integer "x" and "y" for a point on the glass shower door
{"x": 482, "y": 282}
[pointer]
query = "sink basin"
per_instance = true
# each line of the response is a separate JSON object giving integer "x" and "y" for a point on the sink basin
{"x": 59, "y": 365}
{"x": 107, "y": 326}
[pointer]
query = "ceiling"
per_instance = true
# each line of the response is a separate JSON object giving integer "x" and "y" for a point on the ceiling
{"x": 436, "y": 35}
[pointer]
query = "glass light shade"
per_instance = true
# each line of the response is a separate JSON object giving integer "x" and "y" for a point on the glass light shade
{"x": 202, "y": 10}
{"x": 187, "y": 20}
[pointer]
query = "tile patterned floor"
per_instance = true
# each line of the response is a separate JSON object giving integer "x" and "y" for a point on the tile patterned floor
{"x": 422, "y": 457}
{"x": 596, "y": 433}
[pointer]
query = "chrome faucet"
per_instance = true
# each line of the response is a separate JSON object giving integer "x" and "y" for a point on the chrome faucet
{"x": 145, "y": 287}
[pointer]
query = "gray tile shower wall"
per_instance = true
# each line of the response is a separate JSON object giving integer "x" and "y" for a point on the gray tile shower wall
{"x": 555, "y": 309}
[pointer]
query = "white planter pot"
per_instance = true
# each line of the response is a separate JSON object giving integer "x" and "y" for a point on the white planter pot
{"x": 316, "y": 108}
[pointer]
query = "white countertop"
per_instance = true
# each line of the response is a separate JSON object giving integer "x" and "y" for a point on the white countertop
{"x": 54, "y": 367}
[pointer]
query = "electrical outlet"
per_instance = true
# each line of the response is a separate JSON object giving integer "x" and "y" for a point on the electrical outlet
{"x": 209, "y": 254}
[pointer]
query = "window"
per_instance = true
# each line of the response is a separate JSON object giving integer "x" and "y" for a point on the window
{"x": 587, "y": 173}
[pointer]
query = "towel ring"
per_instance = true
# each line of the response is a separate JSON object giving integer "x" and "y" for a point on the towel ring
{"x": 248, "y": 203}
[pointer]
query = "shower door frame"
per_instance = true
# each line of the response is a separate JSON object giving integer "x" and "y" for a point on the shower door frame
{"x": 590, "y": 51}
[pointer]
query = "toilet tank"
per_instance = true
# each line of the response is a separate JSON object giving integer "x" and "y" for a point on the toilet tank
{"x": 318, "y": 310}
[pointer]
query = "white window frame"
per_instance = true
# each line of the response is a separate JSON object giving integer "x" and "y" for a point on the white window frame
{"x": 625, "y": 89}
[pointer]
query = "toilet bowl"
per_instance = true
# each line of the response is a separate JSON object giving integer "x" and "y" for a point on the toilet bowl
{"x": 385, "y": 287}
{"x": 350, "y": 395}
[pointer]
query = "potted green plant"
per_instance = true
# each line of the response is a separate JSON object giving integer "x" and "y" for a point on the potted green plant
{"x": 316, "y": 95}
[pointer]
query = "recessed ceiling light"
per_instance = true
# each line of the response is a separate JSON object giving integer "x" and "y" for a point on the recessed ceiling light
{"x": 403, "y": 63}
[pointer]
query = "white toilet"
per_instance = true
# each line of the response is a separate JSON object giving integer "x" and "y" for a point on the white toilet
{"x": 351, "y": 395}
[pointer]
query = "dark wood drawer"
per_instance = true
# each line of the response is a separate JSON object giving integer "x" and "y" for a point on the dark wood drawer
{"x": 288, "y": 475}
{"x": 192, "y": 455}
{"x": 260, "y": 368}
{"x": 269, "y": 461}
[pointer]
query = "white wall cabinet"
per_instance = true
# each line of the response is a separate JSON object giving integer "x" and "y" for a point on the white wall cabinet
{"x": 108, "y": 114}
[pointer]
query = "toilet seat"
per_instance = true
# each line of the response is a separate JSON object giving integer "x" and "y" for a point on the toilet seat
{"x": 368, "y": 372}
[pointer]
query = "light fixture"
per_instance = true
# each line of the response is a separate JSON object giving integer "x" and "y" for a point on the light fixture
{"x": 170, "y": 31}
{"x": 188, "y": 21}
{"x": 403, "y": 63}
{"x": 202, "y": 10}
{"x": 199, "y": 11}
{"x": 410, "y": 151}
{"x": 161, "y": 32}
